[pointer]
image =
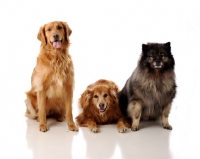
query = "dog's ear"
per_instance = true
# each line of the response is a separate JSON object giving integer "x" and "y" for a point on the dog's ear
{"x": 85, "y": 98}
{"x": 113, "y": 93}
{"x": 167, "y": 46}
{"x": 41, "y": 36}
{"x": 145, "y": 48}
{"x": 88, "y": 94}
{"x": 67, "y": 30}
{"x": 116, "y": 88}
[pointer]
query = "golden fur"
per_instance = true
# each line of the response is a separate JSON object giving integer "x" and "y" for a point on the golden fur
{"x": 99, "y": 105}
{"x": 52, "y": 79}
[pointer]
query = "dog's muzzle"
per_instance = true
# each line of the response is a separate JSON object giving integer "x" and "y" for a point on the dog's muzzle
{"x": 102, "y": 107}
{"x": 157, "y": 64}
{"x": 56, "y": 43}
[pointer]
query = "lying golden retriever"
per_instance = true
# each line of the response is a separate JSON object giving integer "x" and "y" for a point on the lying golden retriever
{"x": 52, "y": 79}
{"x": 100, "y": 106}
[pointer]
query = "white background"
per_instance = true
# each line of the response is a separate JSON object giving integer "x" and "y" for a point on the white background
{"x": 106, "y": 43}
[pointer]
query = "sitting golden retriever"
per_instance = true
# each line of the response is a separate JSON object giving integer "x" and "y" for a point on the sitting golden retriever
{"x": 52, "y": 79}
{"x": 100, "y": 106}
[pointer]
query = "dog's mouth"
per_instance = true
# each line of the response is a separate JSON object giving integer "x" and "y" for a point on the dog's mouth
{"x": 158, "y": 64}
{"x": 102, "y": 108}
{"x": 56, "y": 44}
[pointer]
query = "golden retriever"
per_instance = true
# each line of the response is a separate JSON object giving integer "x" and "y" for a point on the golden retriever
{"x": 99, "y": 105}
{"x": 52, "y": 79}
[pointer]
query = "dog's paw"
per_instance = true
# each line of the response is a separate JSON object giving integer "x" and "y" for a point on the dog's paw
{"x": 135, "y": 128}
{"x": 43, "y": 128}
{"x": 122, "y": 129}
{"x": 167, "y": 126}
{"x": 94, "y": 129}
{"x": 60, "y": 118}
{"x": 73, "y": 127}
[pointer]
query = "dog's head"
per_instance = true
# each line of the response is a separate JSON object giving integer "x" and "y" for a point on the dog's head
{"x": 101, "y": 97}
{"x": 54, "y": 34}
{"x": 157, "y": 56}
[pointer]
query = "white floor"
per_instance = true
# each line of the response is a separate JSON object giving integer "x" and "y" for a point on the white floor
{"x": 105, "y": 43}
{"x": 20, "y": 138}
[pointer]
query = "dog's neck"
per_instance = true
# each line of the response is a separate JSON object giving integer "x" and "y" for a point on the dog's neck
{"x": 54, "y": 51}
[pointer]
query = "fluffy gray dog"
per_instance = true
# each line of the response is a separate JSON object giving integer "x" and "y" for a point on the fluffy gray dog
{"x": 149, "y": 92}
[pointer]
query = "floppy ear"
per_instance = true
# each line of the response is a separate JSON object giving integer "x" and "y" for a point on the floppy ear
{"x": 116, "y": 89}
{"x": 67, "y": 29}
{"x": 113, "y": 93}
{"x": 41, "y": 36}
{"x": 85, "y": 98}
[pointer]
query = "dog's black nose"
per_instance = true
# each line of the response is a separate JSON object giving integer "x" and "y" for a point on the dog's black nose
{"x": 56, "y": 36}
{"x": 101, "y": 105}
{"x": 157, "y": 62}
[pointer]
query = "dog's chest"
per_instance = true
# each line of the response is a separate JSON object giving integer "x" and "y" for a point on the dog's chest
{"x": 57, "y": 80}
{"x": 60, "y": 70}
{"x": 156, "y": 91}
{"x": 55, "y": 88}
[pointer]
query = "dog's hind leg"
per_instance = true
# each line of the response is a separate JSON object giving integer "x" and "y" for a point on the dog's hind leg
{"x": 30, "y": 108}
{"x": 135, "y": 111}
{"x": 30, "y": 111}
{"x": 165, "y": 115}
{"x": 60, "y": 118}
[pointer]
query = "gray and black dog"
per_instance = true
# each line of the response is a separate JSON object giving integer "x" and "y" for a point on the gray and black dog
{"x": 150, "y": 90}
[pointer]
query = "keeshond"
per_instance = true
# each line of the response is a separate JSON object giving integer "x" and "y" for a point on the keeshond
{"x": 150, "y": 90}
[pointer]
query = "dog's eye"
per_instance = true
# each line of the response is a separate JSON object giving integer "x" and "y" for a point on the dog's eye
{"x": 95, "y": 96}
{"x": 151, "y": 55}
{"x": 162, "y": 55}
{"x": 105, "y": 95}
{"x": 59, "y": 27}
{"x": 49, "y": 29}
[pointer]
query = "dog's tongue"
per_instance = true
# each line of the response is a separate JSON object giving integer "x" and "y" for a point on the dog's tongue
{"x": 101, "y": 109}
{"x": 56, "y": 44}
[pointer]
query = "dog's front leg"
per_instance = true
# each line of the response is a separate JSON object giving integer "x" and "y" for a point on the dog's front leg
{"x": 135, "y": 111}
{"x": 91, "y": 124}
{"x": 41, "y": 99}
{"x": 69, "y": 116}
{"x": 123, "y": 124}
{"x": 165, "y": 114}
